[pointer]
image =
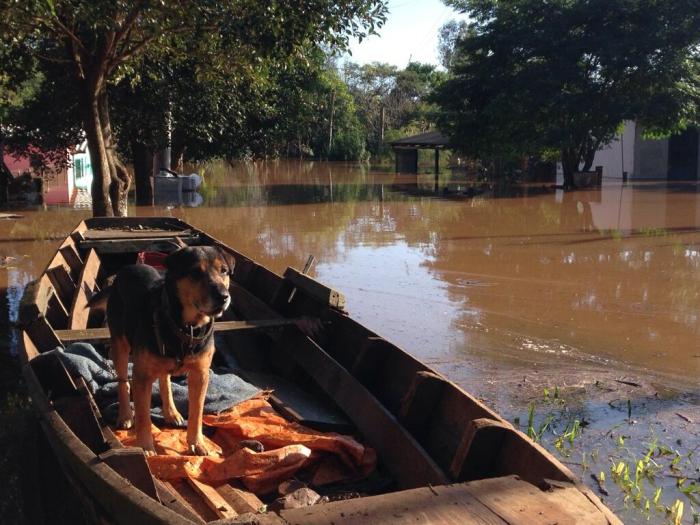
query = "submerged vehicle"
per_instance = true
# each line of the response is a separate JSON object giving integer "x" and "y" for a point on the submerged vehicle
{"x": 442, "y": 456}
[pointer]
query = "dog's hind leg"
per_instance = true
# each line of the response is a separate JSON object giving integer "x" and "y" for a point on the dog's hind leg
{"x": 170, "y": 413}
{"x": 119, "y": 352}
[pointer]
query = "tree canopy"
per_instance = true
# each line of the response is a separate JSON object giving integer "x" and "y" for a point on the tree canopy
{"x": 91, "y": 46}
{"x": 532, "y": 78}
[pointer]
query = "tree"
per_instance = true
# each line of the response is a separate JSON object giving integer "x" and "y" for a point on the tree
{"x": 103, "y": 41}
{"x": 391, "y": 99}
{"x": 449, "y": 34}
{"x": 533, "y": 77}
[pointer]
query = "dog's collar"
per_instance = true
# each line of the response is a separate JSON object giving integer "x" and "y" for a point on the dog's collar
{"x": 188, "y": 339}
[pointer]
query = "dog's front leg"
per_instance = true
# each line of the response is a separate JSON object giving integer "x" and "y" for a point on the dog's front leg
{"x": 170, "y": 413}
{"x": 119, "y": 352}
{"x": 142, "y": 386}
{"x": 197, "y": 381}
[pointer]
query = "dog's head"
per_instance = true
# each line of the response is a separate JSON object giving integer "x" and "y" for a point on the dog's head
{"x": 201, "y": 275}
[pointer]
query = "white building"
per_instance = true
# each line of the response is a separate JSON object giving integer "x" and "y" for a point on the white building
{"x": 674, "y": 159}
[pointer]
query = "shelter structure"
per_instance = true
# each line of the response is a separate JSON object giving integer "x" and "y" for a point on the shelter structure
{"x": 406, "y": 150}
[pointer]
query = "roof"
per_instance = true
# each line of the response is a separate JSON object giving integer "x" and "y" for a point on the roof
{"x": 429, "y": 139}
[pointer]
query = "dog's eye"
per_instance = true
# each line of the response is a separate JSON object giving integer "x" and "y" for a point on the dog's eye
{"x": 224, "y": 270}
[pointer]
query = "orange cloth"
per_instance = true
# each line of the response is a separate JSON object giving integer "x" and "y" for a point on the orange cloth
{"x": 288, "y": 448}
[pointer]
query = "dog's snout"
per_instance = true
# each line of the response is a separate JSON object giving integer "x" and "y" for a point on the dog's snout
{"x": 220, "y": 296}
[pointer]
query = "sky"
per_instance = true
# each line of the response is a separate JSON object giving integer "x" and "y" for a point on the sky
{"x": 410, "y": 34}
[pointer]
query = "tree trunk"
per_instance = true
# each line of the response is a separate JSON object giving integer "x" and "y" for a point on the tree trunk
{"x": 143, "y": 168}
{"x": 118, "y": 174}
{"x": 101, "y": 202}
{"x": 570, "y": 161}
{"x": 5, "y": 173}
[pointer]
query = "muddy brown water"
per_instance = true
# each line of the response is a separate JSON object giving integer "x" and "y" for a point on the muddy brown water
{"x": 481, "y": 283}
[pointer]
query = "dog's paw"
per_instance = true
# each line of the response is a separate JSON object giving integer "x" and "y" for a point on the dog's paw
{"x": 198, "y": 450}
{"x": 174, "y": 418}
{"x": 147, "y": 446}
{"x": 125, "y": 422}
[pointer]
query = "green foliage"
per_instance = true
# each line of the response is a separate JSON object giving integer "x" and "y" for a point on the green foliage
{"x": 203, "y": 64}
{"x": 392, "y": 103}
{"x": 530, "y": 77}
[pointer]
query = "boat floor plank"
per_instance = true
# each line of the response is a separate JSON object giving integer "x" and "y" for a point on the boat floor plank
{"x": 241, "y": 501}
{"x": 444, "y": 505}
{"x": 213, "y": 499}
{"x": 193, "y": 499}
{"x": 298, "y": 405}
{"x": 171, "y": 498}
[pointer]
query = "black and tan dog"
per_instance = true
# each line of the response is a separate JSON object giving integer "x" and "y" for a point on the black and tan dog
{"x": 167, "y": 323}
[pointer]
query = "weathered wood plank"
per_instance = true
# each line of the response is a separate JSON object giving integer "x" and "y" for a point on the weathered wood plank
{"x": 478, "y": 452}
{"x": 315, "y": 289}
{"x": 102, "y": 334}
{"x": 134, "y": 245}
{"x": 73, "y": 260}
{"x": 80, "y": 313}
{"x": 442, "y": 505}
{"x": 174, "y": 501}
{"x": 520, "y": 503}
{"x": 213, "y": 499}
{"x": 404, "y": 457}
{"x": 420, "y": 401}
{"x": 241, "y": 501}
{"x": 131, "y": 463}
{"x": 62, "y": 283}
{"x": 92, "y": 235}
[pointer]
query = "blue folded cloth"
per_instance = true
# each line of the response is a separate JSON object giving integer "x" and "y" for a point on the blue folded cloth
{"x": 225, "y": 389}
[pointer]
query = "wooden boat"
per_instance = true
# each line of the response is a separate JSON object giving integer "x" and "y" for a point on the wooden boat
{"x": 448, "y": 457}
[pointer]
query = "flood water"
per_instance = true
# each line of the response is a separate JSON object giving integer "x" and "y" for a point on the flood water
{"x": 464, "y": 279}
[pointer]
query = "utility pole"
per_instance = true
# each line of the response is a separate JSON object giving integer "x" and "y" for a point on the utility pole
{"x": 330, "y": 126}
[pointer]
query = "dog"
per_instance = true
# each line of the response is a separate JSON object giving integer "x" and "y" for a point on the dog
{"x": 167, "y": 322}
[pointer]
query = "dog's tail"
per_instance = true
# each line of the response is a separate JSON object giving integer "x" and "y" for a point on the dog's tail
{"x": 99, "y": 300}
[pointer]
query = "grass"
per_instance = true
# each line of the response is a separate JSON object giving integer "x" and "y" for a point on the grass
{"x": 657, "y": 481}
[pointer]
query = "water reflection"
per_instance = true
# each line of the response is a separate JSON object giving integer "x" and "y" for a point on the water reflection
{"x": 468, "y": 273}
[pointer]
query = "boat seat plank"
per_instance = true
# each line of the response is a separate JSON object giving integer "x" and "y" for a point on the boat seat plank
{"x": 132, "y": 465}
{"x": 148, "y": 244}
{"x": 87, "y": 283}
{"x": 520, "y": 503}
{"x": 91, "y": 235}
{"x": 101, "y": 335}
{"x": 379, "y": 427}
{"x": 443, "y": 505}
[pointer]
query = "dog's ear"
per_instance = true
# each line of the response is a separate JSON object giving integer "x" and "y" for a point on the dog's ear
{"x": 174, "y": 261}
{"x": 230, "y": 260}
